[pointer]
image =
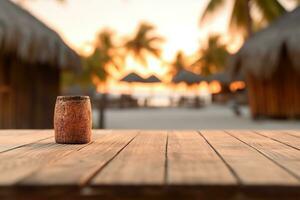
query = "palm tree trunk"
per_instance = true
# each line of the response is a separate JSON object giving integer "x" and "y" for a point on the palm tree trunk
{"x": 101, "y": 108}
{"x": 249, "y": 19}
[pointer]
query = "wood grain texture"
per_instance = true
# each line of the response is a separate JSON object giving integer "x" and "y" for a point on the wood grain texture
{"x": 192, "y": 161}
{"x": 283, "y": 155}
{"x": 11, "y": 139}
{"x": 80, "y": 167}
{"x": 293, "y": 132}
{"x": 152, "y": 165}
{"x": 246, "y": 162}
{"x": 281, "y": 137}
{"x": 141, "y": 162}
{"x": 20, "y": 162}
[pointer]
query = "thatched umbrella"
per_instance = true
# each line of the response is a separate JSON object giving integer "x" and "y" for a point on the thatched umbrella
{"x": 133, "y": 78}
{"x": 152, "y": 79}
{"x": 187, "y": 77}
{"x": 190, "y": 78}
{"x": 270, "y": 60}
{"x": 225, "y": 77}
{"x": 31, "y": 58}
{"x": 222, "y": 77}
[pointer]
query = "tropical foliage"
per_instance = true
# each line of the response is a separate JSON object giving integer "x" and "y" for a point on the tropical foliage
{"x": 95, "y": 66}
{"x": 212, "y": 57}
{"x": 241, "y": 17}
{"x": 178, "y": 64}
{"x": 144, "y": 43}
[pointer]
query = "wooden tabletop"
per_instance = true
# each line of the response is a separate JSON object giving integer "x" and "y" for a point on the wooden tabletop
{"x": 213, "y": 164}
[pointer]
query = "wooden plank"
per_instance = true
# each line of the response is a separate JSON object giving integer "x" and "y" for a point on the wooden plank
{"x": 192, "y": 161}
{"x": 5, "y": 132}
{"x": 11, "y": 139}
{"x": 141, "y": 162}
{"x": 283, "y": 155}
{"x": 293, "y": 132}
{"x": 19, "y": 163}
{"x": 246, "y": 163}
{"x": 80, "y": 167}
{"x": 281, "y": 137}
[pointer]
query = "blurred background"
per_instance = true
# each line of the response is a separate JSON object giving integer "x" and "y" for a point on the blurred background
{"x": 184, "y": 64}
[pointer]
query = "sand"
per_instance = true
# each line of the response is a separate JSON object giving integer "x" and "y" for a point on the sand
{"x": 210, "y": 117}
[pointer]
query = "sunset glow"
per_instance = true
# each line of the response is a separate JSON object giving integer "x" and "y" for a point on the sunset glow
{"x": 78, "y": 22}
{"x": 237, "y": 85}
{"x": 215, "y": 87}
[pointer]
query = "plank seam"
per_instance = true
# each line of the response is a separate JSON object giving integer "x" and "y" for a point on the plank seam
{"x": 96, "y": 172}
{"x": 27, "y": 144}
{"x": 49, "y": 164}
{"x": 276, "y": 140}
{"x": 235, "y": 175}
{"x": 266, "y": 156}
{"x": 292, "y": 134}
{"x": 166, "y": 160}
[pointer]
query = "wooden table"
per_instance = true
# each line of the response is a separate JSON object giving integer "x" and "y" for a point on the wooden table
{"x": 152, "y": 165}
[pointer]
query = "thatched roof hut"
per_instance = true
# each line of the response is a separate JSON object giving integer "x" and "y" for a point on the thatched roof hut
{"x": 31, "y": 58}
{"x": 270, "y": 60}
{"x": 31, "y": 40}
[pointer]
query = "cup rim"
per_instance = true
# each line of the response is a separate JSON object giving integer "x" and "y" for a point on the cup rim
{"x": 73, "y": 98}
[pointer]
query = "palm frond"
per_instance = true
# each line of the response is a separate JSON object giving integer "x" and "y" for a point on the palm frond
{"x": 143, "y": 43}
{"x": 239, "y": 17}
{"x": 270, "y": 9}
{"x": 212, "y": 57}
{"x": 211, "y": 7}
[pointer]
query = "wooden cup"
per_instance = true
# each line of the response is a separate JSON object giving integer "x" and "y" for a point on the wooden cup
{"x": 73, "y": 120}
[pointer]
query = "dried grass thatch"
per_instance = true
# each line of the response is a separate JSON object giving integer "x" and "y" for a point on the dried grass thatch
{"x": 31, "y": 41}
{"x": 152, "y": 79}
{"x": 187, "y": 77}
{"x": 133, "y": 78}
{"x": 261, "y": 54}
{"x": 225, "y": 78}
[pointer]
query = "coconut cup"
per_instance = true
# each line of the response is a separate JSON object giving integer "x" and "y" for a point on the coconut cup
{"x": 73, "y": 120}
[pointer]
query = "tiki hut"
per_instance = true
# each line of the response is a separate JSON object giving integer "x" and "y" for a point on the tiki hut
{"x": 31, "y": 59}
{"x": 271, "y": 62}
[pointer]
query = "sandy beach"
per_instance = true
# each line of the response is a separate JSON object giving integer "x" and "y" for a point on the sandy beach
{"x": 210, "y": 117}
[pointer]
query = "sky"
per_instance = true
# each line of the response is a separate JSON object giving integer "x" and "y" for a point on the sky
{"x": 177, "y": 21}
{"x": 78, "y": 21}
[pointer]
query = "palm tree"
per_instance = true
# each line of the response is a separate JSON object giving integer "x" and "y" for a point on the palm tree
{"x": 95, "y": 66}
{"x": 105, "y": 55}
{"x": 178, "y": 64}
{"x": 241, "y": 18}
{"x": 213, "y": 56}
{"x": 144, "y": 43}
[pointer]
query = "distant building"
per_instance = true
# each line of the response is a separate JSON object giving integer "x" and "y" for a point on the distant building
{"x": 31, "y": 59}
{"x": 271, "y": 61}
